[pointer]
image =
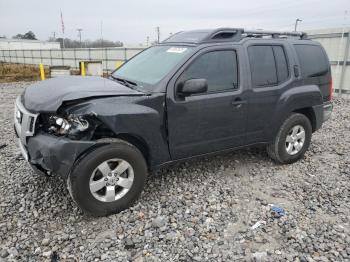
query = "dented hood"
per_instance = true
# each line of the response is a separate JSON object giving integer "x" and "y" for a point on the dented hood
{"x": 48, "y": 95}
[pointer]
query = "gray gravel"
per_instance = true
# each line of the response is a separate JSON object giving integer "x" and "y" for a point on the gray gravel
{"x": 196, "y": 211}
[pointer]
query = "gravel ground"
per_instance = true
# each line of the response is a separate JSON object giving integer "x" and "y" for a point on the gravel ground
{"x": 196, "y": 211}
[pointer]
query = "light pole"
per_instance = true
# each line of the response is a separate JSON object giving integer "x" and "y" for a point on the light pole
{"x": 296, "y": 24}
{"x": 158, "y": 34}
{"x": 79, "y": 32}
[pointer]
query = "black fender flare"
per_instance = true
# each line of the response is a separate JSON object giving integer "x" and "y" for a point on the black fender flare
{"x": 306, "y": 97}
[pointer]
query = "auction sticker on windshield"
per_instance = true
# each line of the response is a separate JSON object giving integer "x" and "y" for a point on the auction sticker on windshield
{"x": 178, "y": 50}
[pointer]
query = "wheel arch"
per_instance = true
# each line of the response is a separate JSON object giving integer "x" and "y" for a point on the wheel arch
{"x": 306, "y": 100}
{"x": 139, "y": 143}
{"x": 104, "y": 133}
{"x": 310, "y": 114}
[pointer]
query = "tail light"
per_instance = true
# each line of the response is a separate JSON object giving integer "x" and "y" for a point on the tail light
{"x": 330, "y": 89}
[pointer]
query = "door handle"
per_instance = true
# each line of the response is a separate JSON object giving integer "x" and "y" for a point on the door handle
{"x": 296, "y": 71}
{"x": 238, "y": 102}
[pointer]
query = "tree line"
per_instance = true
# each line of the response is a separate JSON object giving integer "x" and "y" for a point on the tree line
{"x": 71, "y": 43}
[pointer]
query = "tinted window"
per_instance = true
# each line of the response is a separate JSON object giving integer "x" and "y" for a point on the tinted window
{"x": 281, "y": 63}
{"x": 312, "y": 59}
{"x": 151, "y": 65}
{"x": 219, "y": 68}
{"x": 262, "y": 65}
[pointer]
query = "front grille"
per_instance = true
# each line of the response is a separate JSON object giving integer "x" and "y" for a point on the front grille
{"x": 31, "y": 124}
{"x": 24, "y": 121}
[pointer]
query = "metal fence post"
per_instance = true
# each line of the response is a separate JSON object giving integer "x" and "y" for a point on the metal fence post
{"x": 106, "y": 61}
{"x": 32, "y": 62}
{"x": 345, "y": 59}
{"x": 75, "y": 58}
{"x": 51, "y": 58}
{"x": 62, "y": 56}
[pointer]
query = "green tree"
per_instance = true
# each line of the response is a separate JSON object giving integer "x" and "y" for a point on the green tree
{"x": 29, "y": 35}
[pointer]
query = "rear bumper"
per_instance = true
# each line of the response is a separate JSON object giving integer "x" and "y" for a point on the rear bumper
{"x": 54, "y": 155}
{"x": 327, "y": 111}
{"x": 322, "y": 113}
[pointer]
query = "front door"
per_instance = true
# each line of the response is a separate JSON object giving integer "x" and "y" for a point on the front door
{"x": 210, "y": 121}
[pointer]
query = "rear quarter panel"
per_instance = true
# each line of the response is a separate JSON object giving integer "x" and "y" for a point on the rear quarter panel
{"x": 296, "y": 98}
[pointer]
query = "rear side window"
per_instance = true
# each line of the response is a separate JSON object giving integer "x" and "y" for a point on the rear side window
{"x": 268, "y": 65}
{"x": 219, "y": 68}
{"x": 262, "y": 65}
{"x": 312, "y": 59}
{"x": 281, "y": 63}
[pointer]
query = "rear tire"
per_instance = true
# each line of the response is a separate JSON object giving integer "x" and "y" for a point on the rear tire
{"x": 108, "y": 179}
{"x": 292, "y": 139}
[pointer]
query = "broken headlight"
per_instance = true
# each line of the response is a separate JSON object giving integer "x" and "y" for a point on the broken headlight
{"x": 72, "y": 126}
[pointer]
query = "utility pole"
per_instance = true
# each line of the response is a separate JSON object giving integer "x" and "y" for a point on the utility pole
{"x": 79, "y": 32}
{"x": 147, "y": 41}
{"x": 296, "y": 24}
{"x": 54, "y": 36}
{"x": 158, "y": 34}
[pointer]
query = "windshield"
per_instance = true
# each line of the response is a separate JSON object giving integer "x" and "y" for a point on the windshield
{"x": 151, "y": 65}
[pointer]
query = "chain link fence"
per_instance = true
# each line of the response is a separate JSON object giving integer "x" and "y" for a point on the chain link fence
{"x": 110, "y": 57}
{"x": 335, "y": 41}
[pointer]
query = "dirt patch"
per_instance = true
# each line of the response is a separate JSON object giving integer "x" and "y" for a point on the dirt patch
{"x": 20, "y": 72}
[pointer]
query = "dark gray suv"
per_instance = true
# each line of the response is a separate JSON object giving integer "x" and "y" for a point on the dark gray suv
{"x": 196, "y": 93}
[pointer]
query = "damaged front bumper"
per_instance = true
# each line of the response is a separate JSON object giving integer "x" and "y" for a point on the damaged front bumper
{"x": 46, "y": 153}
{"x": 54, "y": 155}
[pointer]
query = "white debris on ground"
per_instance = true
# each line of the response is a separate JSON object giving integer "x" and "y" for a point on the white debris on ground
{"x": 195, "y": 211}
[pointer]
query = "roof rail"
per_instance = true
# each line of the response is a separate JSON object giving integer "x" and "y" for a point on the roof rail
{"x": 226, "y": 35}
{"x": 274, "y": 34}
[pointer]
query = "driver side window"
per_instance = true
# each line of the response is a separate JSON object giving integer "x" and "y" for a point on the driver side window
{"x": 219, "y": 68}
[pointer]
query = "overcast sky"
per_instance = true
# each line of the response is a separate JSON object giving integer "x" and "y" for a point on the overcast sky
{"x": 131, "y": 21}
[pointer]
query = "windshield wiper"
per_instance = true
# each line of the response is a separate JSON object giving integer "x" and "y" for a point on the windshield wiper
{"x": 124, "y": 82}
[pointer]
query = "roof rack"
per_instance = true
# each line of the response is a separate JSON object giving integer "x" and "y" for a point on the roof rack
{"x": 227, "y": 35}
{"x": 273, "y": 34}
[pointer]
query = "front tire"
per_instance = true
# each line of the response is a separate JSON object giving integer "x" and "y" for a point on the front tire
{"x": 108, "y": 179}
{"x": 292, "y": 140}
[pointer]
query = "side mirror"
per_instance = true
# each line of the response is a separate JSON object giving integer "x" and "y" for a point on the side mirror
{"x": 192, "y": 86}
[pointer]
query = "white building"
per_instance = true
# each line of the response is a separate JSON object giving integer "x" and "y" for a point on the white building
{"x": 336, "y": 41}
{"x": 21, "y": 44}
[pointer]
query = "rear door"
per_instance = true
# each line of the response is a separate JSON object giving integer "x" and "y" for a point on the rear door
{"x": 270, "y": 75}
{"x": 210, "y": 121}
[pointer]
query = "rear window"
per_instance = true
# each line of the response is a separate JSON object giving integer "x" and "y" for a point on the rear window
{"x": 312, "y": 59}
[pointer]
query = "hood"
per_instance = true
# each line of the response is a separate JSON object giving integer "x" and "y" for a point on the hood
{"x": 48, "y": 95}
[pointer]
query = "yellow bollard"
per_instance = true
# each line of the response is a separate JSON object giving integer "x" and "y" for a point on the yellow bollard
{"x": 82, "y": 68}
{"x": 42, "y": 72}
{"x": 118, "y": 64}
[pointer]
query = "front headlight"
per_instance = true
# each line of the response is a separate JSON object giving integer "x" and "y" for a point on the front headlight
{"x": 71, "y": 125}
